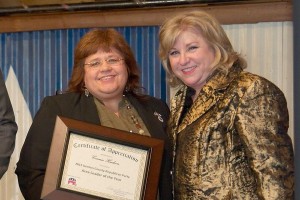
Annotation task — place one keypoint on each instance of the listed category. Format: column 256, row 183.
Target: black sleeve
column 32, row 164
column 8, row 128
column 165, row 183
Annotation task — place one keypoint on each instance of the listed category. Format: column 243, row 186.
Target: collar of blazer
column 210, row 94
column 149, row 117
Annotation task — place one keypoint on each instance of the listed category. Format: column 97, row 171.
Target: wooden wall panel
column 227, row 14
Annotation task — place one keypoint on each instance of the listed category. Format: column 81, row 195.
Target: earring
column 126, row 88
column 86, row 92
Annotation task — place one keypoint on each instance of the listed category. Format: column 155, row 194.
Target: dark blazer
column 34, row 154
column 8, row 128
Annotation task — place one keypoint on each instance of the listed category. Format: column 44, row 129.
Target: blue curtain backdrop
column 43, row 60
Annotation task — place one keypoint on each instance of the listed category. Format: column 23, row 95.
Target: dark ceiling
column 29, row 6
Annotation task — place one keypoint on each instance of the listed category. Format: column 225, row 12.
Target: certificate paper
column 104, row 169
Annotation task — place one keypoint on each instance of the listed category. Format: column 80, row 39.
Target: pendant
column 135, row 121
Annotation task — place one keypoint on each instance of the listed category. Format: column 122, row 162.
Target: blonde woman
column 228, row 127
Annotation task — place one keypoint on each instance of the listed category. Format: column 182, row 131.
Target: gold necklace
column 134, row 119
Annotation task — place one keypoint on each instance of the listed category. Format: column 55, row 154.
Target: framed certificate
column 88, row 161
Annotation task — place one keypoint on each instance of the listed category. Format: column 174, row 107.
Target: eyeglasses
column 109, row 61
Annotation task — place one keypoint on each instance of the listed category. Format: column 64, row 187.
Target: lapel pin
column 158, row 116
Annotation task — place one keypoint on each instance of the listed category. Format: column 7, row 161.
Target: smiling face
column 191, row 58
column 105, row 81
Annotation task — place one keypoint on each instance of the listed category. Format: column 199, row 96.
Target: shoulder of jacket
column 66, row 97
column 250, row 78
column 152, row 103
column 254, row 83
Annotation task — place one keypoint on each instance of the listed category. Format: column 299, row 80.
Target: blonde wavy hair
column 210, row 29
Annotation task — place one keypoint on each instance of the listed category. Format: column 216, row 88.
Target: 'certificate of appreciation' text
column 103, row 168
